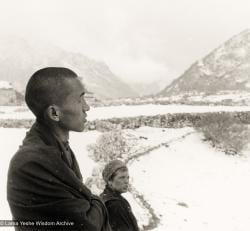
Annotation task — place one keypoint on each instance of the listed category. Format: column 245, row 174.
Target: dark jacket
column 43, row 186
column 121, row 217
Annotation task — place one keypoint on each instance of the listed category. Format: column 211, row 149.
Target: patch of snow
column 140, row 213
column 149, row 136
column 11, row 139
column 78, row 143
column 205, row 70
column 247, row 85
column 150, row 110
column 200, row 63
column 219, row 52
column 127, row 111
column 239, row 80
column 5, row 85
column 240, row 52
column 233, row 97
column 211, row 185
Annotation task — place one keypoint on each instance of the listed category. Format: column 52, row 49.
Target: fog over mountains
column 224, row 70
column 19, row 59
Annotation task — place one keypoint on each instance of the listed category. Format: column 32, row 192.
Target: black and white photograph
column 125, row 115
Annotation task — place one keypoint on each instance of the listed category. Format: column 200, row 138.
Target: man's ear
column 53, row 113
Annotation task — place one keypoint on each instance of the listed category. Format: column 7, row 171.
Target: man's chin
column 79, row 129
column 125, row 190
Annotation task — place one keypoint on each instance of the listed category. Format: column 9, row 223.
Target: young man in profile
column 44, row 179
column 121, row 217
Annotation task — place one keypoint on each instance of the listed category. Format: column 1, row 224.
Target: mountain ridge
column 226, row 68
column 21, row 58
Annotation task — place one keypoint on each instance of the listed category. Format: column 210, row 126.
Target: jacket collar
column 41, row 134
column 110, row 194
column 42, row 131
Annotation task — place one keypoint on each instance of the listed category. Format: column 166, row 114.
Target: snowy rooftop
column 5, row 85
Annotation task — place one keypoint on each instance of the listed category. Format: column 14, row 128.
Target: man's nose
column 126, row 180
column 86, row 107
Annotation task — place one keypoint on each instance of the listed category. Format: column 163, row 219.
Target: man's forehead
column 76, row 85
column 81, row 85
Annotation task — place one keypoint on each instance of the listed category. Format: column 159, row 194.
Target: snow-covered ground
column 191, row 97
column 234, row 97
column 21, row 112
column 5, row 85
column 211, row 188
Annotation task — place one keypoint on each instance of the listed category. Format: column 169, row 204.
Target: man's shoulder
column 32, row 152
column 114, row 201
column 116, row 206
column 111, row 199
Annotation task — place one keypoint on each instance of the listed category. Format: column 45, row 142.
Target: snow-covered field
column 189, row 185
column 212, row 187
column 21, row 112
column 219, row 97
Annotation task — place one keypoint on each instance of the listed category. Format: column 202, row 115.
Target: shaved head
column 46, row 87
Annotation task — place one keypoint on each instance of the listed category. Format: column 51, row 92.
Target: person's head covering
column 111, row 168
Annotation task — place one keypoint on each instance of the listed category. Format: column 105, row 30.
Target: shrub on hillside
column 104, row 126
column 225, row 132
column 111, row 145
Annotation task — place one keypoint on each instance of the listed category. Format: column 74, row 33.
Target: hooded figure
column 121, row 217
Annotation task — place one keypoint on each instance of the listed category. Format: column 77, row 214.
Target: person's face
column 120, row 182
column 73, row 109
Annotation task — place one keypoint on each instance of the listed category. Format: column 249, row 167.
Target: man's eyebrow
column 83, row 93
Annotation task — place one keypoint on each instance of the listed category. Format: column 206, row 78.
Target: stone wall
column 177, row 120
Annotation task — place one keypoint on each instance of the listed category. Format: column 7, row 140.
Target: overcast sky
column 138, row 39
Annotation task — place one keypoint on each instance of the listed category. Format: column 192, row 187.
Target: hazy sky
column 138, row 39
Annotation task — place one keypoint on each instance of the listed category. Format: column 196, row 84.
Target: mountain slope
column 20, row 59
column 226, row 69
